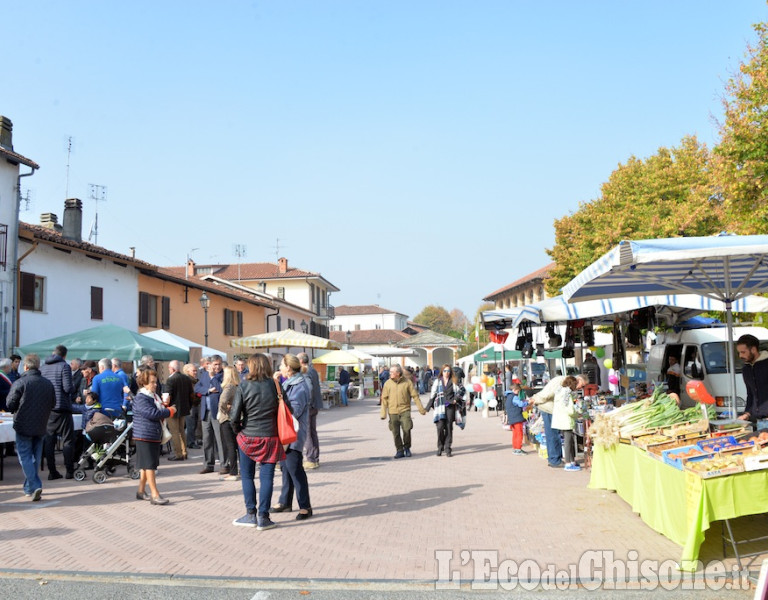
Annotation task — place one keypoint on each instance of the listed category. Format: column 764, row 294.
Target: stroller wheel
column 99, row 477
column 134, row 473
column 79, row 475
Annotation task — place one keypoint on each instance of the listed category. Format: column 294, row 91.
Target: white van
column 702, row 355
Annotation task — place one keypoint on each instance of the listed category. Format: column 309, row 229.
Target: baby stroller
column 110, row 448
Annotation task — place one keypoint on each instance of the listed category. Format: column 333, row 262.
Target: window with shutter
column 165, row 319
column 27, row 291
column 239, row 323
column 97, row 303
column 147, row 310
column 229, row 327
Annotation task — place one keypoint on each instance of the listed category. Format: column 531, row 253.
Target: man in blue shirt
column 110, row 388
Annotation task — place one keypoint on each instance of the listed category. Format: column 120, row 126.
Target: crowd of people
column 233, row 408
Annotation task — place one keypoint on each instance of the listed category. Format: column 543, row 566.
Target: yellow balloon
column 491, row 381
column 356, row 369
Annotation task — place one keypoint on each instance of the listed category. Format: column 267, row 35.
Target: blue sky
column 413, row 152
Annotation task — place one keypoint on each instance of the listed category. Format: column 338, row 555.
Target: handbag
column 285, row 430
column 166, row 433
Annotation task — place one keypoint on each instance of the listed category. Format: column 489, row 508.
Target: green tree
column 669, row 194
column 436, row 318
column 741, row 157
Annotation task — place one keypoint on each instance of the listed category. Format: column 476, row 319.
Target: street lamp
column 205, row 302
column 304, row 326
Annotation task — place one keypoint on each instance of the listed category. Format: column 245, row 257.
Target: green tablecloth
column 678, row 504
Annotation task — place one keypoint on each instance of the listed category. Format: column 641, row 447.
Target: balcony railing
column 324, row 312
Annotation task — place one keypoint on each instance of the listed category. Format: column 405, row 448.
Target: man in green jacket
column 396, row 400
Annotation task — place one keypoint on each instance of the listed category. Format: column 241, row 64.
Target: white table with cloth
column 8, row 434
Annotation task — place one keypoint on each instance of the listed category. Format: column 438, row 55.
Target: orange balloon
column 698, row 391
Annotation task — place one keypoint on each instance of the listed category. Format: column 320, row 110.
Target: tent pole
column 731, row 357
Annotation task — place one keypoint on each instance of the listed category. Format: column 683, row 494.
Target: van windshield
column 715, row 357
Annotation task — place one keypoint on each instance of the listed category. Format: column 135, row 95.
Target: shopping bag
column 460, row 420
column 166, row 433
column 285, row 429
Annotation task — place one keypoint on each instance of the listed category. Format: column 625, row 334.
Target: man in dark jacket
column 58, row 372
column 180, row 393
column 209, row 387
column 31, row 399
column 755, row 374
column 312, row 444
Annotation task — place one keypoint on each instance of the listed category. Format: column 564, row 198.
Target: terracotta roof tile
column 369, row 336
column 542, row 273
column 15, row 157
column 246, row 272
column 365, row 309
column 51, row 235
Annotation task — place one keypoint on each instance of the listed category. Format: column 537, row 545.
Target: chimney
column 190, row 268
column 73, row 220
column 6, row 133
column 50, row 221
column 282, row 265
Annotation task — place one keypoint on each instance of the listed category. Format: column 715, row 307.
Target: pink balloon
column 613, row 380
column 477, row 387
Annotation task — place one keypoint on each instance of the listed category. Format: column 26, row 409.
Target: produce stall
column 676, row 474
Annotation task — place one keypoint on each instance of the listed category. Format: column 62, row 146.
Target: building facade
column 526, row 290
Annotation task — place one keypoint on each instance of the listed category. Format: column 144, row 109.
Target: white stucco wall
column 8, row 202
column 379, row 321
column 68, row 281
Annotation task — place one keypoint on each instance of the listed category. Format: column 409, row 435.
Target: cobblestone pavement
column 375, row 518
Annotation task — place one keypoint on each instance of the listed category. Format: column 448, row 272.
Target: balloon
column 477, row 387
column 488, row 395
column 698, row 391
column 593, row 349
column 608, row 363
column 491, row 381
column 613, row 380
column 483, row 378
column 356, row 369
column 475, row 379
column 479, row 403
column 600, row 352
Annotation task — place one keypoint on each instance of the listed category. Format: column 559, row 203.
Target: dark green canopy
column 107, row 341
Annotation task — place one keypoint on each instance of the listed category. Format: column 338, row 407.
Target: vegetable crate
column 709, row 467
column 756, row 462
column 677, row 456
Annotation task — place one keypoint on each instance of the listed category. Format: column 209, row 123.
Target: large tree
column 459, row 320
column 741, row 158
column 436, row 318
column 669, row 194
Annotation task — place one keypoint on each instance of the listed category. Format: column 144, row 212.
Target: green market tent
column 490, row 355
column 107, row 341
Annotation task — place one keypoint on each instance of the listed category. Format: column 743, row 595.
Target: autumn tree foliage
column 741, row 157
column 436, row 318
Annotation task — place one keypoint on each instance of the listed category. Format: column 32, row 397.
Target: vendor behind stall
column 755, row 374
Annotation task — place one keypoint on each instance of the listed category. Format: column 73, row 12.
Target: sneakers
column 263, row 523
column 247, row 520
column 407, row 452
column 572, row 467
column 400, row 454
column 37, row 494
column 308, row 464
column 518, row 452
column 231, row 478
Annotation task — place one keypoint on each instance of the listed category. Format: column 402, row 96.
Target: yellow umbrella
column 342, row 357
column 287, row 338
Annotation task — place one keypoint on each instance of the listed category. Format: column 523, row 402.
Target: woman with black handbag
column 446, row 399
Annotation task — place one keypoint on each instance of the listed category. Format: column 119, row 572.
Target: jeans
column 266, row 476
column 554, row 446
column 30, row 451
column 312, row 445
column 294, row 476
column 344, row 398
column 229, row 441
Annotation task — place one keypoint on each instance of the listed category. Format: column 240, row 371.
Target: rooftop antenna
column 98, row 193
column 241, row 251
column 186, row 265
column 27, row 199
column 69, row 154
column 277, row 254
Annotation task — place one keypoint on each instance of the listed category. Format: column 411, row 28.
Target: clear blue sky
column 413, row 152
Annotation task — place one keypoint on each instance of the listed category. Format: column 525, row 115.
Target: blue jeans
column 294, row 477
column 30, row 451
column 344, row 399
column 554, row 445
column 266, row 475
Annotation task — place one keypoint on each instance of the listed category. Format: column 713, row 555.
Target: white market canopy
column 287, row 338
column 180, row 342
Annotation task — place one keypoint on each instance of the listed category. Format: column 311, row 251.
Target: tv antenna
column 98, row 193
column 69, row 155
column 27, row 199
column 241, row 251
